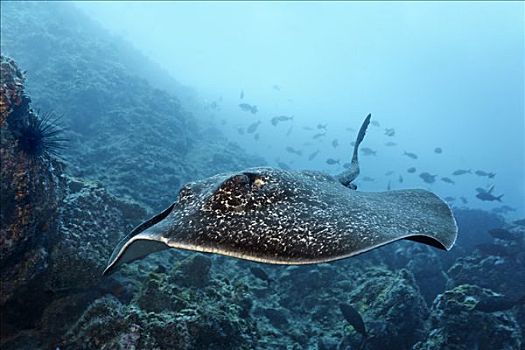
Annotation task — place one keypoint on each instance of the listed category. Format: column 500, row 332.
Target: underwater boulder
column 456, row 324
column 31, row 187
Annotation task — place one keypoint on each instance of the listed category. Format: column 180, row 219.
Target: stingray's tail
column 346, row 177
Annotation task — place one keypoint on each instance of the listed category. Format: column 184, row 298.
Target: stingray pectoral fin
column 136, row 248
column 141, row 241
column 422, row 217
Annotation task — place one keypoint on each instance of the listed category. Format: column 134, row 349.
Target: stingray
column 280, row 216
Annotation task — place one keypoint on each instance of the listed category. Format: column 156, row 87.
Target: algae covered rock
column 456, row 325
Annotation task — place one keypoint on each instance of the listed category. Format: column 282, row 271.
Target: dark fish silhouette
column 375, row 123
column 400, row 179
column 484, row 173
column 260, row 274
column 242, row 94
column 368, row 151
column 251, row 129
column 498, row 303
column 331, row 161
column 390, row 172
column 463, row 200
column 347, row 165
column 368, row 179
column 256, row 137
column 335, row 143
column 390, row 143
column 292, row 150
column 322, row 126
column 411, row 170
column 280, row 118
column 450, row 199
column 501, row 233
column 390, row 132
column 438, row 150
column 410, row 155
column 289, row 130
column 313, row 155
column 487, row 195
column 276, row 87
column 428, row 178
column 447, row 180
column 461, row 172
column 353, row 318
column 318, row 135
column 240, row 131
column 309, row 128
column 248, row 108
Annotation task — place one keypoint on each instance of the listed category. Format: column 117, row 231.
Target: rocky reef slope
column 130, row 147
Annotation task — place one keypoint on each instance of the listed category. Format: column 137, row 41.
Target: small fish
column 484, row 173
column 313, row 155
column 248, row 108
column 390, row 172
column 276, row 87
column 289, row 130
column 353, row 318
column 331, row 161
column 280, row 118
column 501, row 233
column 498, row 303
column 251, row 129
column 400, row 179
column 242, row 94
column 411, row 170
column 294, row 151
column 461, row 172
column 389, row 186
column 450, row 199
column 410, row 155
column 428, row 178
column 390, row 132
column 335, row 143
column 368, row 151
column 350, row 129
column 260, row 274
column 463, row 200
column 368, row 179
column 390, row 144
column 240, row 131
column 322, row 126
column 321, row 134
column 447, row 180
column 347, row 165
column 309, row 128
column 438, row 150
column 375, row 123
column 487, row 195
column 256, row 137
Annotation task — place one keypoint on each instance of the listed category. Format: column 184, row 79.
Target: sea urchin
column 39, row 135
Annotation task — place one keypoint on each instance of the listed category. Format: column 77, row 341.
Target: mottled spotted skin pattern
column 288, row 217
column 279, row 216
